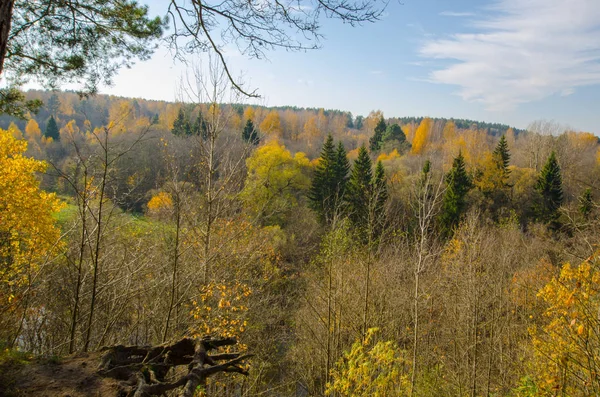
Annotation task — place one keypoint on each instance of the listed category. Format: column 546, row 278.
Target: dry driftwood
column 144, row 369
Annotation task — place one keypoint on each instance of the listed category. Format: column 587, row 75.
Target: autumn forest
column 351, row 256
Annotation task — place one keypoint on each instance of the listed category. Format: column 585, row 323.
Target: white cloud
column 526, row 51
column 456, row 14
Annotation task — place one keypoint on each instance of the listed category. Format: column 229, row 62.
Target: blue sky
column 509, row 61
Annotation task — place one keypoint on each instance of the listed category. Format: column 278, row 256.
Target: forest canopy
column 418, row 255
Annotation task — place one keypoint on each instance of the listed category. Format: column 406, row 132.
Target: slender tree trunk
column 413, row 376
column 175, row 265
column 96, row 258
column 474, row 362
column 366, row 302
column 210, row 196
column 329, row 308
column 79, row 267
column 6, row 11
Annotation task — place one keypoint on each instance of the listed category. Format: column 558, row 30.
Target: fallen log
column 144, row 369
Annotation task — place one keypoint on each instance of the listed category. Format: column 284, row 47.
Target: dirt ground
column 73, row 376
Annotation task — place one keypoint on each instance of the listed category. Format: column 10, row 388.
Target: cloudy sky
column 510, row 61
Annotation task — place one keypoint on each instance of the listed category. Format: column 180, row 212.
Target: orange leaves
column 221, row 309
column 421, row 138
column 161, row 201
column 390, row 156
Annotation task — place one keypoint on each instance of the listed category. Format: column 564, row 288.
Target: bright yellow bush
column 28, row 234
column 567, row 345
column 371, row 370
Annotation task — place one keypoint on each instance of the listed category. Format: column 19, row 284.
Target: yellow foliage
column 271, row 125
column 32, row 130
column 28, row 234
column 160, row 202
column 372, row 120
column 449, row 131
column 221, row 310
column 15, row 131
column 567, row 344
column 69, row 131
column 249, row 113
column 275, row 180
column 371, row 370
column 421, row 138
column 390, row 156
column 353, row 154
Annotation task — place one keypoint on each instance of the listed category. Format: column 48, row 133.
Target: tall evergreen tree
column 321, row 194
column 52, row 129
column 376, row 140
column 53, row 104
column 359, row 122
column 380, row 196
column 394, row 133
column 458, row 185
column 341, row 169
column 360, row 188
column 200, row 127
column 549, row 189
column 179, row 125
column 502, row 156
column 250, row 134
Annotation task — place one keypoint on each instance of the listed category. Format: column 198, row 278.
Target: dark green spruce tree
column 52, row 129
column 322, row 198
column 341, row 169
column 394, row 133
column 550, row 192
column 454, row 204
column 376, row 140
column 249, row 133
column 200, row 127
column 360, row 192
column 379, row 198
column 501, row 157
column 497, row 191
column 586, row 203
column 181, row 124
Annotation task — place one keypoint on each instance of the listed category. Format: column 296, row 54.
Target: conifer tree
column 249, row 133
column 377, row 139
column 549, row 189
column 52, row 129
column 394, row 133
column 341, row 169
column 586, row 204
column 200, row 127
column 321, row 195
column 502, row 157
column 360, row 188
column 458, row 185
column 179, row 125
column 380, row 196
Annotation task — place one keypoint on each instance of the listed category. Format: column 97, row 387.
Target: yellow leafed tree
column 449, row 131
column 371, row 369
column 567, row 344
column 422, row 136
column 249, row 113
column 32, row 130
column 28, row 233
column 271, row 125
